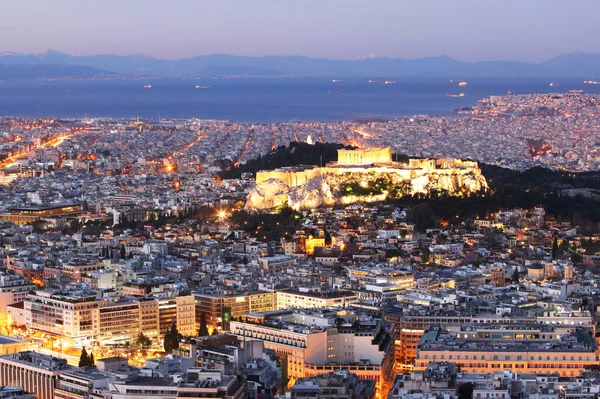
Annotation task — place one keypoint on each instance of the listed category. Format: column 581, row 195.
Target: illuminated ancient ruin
column 362, row 175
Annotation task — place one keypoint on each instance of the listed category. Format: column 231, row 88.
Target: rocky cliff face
column 351, row 185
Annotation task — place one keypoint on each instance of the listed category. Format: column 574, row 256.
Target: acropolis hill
column 362, row 175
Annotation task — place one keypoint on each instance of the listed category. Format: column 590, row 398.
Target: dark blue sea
column 261, row 99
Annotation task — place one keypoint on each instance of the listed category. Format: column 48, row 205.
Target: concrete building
column 566, row 350
column 186, row 316
column 13, row 288
column 313, row 298
column 362, row 348
column 15, row 392
column 81, row 384
column 73, row 316
column 338, row 385
column 119, row 320
column 33, row 371
column 218, row 309
column 10, row 345
column 201, row 383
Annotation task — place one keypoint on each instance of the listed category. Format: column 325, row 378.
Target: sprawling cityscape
column 343, row 245
column 135, row 265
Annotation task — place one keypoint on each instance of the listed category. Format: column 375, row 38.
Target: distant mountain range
column 51, row 63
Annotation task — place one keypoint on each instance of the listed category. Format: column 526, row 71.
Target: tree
column 172, row 338
column 425, row 255
column 203, row 327
column 123, row 253
column 327, row 238
column 84, row 360
column 555, row 247
column 143, row 341
column 465, row 391
column 515, row 275
column 576, row 258
column 92, row 362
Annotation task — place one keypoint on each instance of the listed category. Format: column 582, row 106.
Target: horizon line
column 359, row 58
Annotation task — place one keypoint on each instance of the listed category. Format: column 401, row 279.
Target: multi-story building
column 81, row 384
column 362, row 347
column 149, row 317
column 80, row 318
column 565, row 350
column 277, row 263
column 339, row 385
column 218, row 309
column 33, row 371
column 314, row 298
column 186, row 316
column 142, row 387
column 201, row 383
column 402, row 280
column 10, row 345
column 104, row 279
column 119, row 320
column 167, row 314
column 73, row 316
column 13, row 288
column 410, row 327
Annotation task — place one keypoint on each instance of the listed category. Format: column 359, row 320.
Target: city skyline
column 465, row 30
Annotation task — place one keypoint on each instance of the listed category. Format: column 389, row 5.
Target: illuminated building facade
column 363, row 349
column 566, row 350
column 186, row 316
column 10, row 345
column 364, row 156
column 306, row 298
column 80, row 318
column 33, row 371
column 13, row 288
column 218, row 309
column 119, row 321
column 73, row 316
column 202, row 384
column 29, row 214
column 409, row 328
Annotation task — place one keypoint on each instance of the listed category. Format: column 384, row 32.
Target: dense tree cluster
column 172, row 338
column 295, row 153
column 86, row 360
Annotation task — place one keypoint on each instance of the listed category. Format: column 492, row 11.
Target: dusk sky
column 470, row 30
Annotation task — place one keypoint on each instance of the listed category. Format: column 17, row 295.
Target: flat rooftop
column 578, row 341
column 5, row 340
column 47, row 207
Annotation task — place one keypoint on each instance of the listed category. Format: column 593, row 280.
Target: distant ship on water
column 337, row 81
column 373, row 81
column 390, row 82
column 456, row 95
column 202, row 87
column 463, row 84
column 554, row 84
column 147, row 86
column 591, row 82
